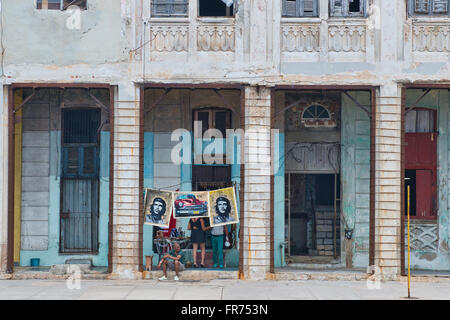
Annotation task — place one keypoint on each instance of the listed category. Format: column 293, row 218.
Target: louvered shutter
column 290, row 8
column 421, row 6
column 336, row 8
column 440, row 6
column 165, row 8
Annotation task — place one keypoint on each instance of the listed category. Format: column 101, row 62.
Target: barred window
column 170, row 8
column 60, row 4
column 429, row 7
column 300, row 8
column 348, row 8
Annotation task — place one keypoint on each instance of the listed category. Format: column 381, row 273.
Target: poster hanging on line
column 189, row 204
column 223, row 207
column 158, row 207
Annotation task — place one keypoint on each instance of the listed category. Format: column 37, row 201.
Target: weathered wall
column 34, row 36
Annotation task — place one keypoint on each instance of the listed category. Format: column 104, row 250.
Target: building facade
column 338, row 108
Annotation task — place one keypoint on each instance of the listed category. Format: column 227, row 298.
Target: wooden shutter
column 440, row 6
column 164, row 8
column 424, row 193
column 336, row 8
column 300, row 8
column 290, row 8
column 421, row 6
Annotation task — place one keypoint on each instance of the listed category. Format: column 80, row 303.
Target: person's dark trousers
column 217, row 247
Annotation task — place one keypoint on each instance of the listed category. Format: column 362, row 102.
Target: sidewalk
column 217, row 290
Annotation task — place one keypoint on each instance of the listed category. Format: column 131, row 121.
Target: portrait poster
column 189, row 204
column 158, row 207
column 223, row 207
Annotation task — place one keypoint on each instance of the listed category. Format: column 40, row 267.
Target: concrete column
column 388, row 181
column 3, row 178
column 125, row 260
column 256, row 235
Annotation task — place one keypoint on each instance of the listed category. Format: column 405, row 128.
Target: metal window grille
column 348, row 8
column 429, row 7
column 300, row 8
column 170, row 8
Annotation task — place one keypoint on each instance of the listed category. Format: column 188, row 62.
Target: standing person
column 175, row 260
column 217, row 244
column 198, row 236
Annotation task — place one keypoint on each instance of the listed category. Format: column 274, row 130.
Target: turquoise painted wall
column 355, row 176
column 51, row 255
column 279, row 206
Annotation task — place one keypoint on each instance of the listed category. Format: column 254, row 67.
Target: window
column 347, row 8
column 429, row 7
column 216, row 8
column 219, row 119
column 300, row 8
column 60, row 4
column 170, row 8
column 80, row 143
column 316, row 112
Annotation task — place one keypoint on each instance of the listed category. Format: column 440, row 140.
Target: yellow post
column 17, row 175
column 409, row 251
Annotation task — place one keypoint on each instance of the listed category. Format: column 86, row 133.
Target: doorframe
column 192, row 86
column 372, row 118
column 11, row 158
column 404, row 88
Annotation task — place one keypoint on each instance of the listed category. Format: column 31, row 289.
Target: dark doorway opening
column 313, row 214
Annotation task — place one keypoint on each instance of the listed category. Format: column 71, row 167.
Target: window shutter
column 336, row 7
column 169, row 8
column 308, row 7
column 421, row 6
column 290, row 8
column 440, row 6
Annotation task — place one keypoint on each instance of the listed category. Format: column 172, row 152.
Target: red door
column 421, row 156
column 424, row 193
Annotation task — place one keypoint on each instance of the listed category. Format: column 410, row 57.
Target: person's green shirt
column 180, row 253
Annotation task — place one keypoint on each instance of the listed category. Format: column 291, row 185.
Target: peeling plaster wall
column 41, row 36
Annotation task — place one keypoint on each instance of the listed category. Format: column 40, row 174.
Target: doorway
column 80, row 181
column 312, row 215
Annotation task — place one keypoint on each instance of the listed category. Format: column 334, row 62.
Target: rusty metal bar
column 111, row 178
column 272, row 182
column 25, row 101
column 372, row 178
column 59, row 85
column 424, row 85
column 217, row 92
column 192, row 85
column 324, row 87
column 98, row 101
column 11, row 173
column 417, row 101
column 166, row 92
column 242, row 189
column 357, row 103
